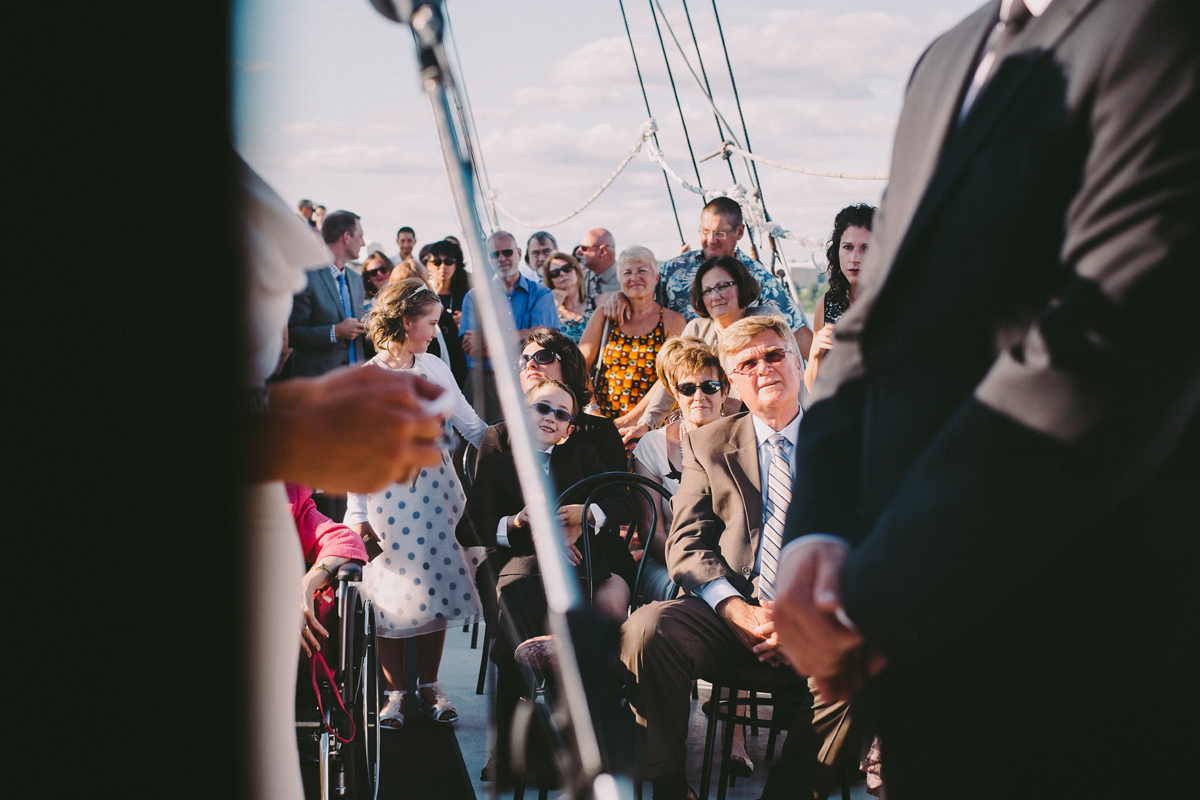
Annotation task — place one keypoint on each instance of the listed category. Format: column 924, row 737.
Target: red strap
column 328, row 675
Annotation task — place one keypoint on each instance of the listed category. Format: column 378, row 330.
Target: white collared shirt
column 984, row 69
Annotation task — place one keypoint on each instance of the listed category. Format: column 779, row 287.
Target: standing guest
column 721, row 229
column 846, row 251
column 446, row 346
column 377, row 273
column 627, row 356
column 537, row 250
column 406, row 240
column 1008, row 529
column 446, row 275
column 415, row 521
column 324, row 328
column 305, row 207
column 563, row 275
column 318, row 217
column 723, row 293
column 723, row 549
column 597, row 253
column 531, row 304
column 578, row 253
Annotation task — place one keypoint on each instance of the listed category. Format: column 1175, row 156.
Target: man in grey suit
column 723, row 549
column 324, row 329
column 1010, row 510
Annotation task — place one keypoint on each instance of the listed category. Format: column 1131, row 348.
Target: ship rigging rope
column 747, row 199
column 730, row 147
column 707, row 86
column 671, row 76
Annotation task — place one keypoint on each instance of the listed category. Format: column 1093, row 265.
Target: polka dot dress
column 424, row 580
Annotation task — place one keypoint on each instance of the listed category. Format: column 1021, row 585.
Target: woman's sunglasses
column 371, row 273
column 688, row 389
column 554, row 273
column 437, row 262
column 546, row 408
column 543, row 357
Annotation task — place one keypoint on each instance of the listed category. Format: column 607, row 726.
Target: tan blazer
column 718, row 508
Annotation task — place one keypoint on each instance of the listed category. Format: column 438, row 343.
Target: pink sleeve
column 319, row 535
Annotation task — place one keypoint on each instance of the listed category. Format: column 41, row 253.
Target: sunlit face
column 318, row 216
column 566, row 279
column 765, row 388
column 406, row 242
column 538, row 253
column 700, row 408
column 720, row 293
column 354, row 241
column 717, row 237
column 852, row 251
column 377, row 273
column 548, row 429
column 505, row 256
column 422, row 330
column 637, row 279
column 533, row 372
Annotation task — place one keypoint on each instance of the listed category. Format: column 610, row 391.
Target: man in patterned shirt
column 721, row 229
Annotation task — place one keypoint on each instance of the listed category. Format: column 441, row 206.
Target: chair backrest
column 470, row 461
column 652, row 581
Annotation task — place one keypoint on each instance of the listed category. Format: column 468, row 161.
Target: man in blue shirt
column 531, row 305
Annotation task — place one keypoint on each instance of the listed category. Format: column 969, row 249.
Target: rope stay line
column 467, row 120
column 737, row 99
column 646, row 99
column 728, row 147
column 671, row 76
column 707, row 85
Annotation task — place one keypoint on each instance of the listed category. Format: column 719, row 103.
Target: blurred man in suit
column 324, row 329
column 1000, row 524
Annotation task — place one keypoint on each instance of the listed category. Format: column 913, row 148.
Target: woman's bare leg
column 391, row 658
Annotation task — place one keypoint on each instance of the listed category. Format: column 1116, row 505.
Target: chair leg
column 710, row 741
column 483, row 664
column 725, row 777
column 637, row 789
column 466, row 627
column 771, row 745
column 474, row 634
column 543, row 793
column 695, row 690
column 845, row 779
column 754, row 712
column 519, row 789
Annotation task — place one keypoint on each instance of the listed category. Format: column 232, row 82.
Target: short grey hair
column 636, row 254
column 737, row 337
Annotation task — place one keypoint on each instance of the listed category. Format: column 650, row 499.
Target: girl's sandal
column 392, row 715
column 441, row 710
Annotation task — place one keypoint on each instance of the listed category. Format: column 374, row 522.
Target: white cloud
column 358, row 158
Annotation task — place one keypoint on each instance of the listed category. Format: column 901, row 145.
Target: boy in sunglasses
column 496, row 517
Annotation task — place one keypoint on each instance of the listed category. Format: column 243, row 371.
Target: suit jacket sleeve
column 1053, row 440
column 692, row 557
column 302, row 332
column 496, row 494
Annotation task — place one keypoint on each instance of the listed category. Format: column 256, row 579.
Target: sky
column 328, row 106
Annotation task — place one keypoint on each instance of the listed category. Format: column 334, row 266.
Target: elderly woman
column 415, row 521
column 625, row 350
column 562, row 273
column 847, row 248
column 723, row 293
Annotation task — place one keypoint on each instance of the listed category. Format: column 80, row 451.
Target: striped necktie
column 779, row 497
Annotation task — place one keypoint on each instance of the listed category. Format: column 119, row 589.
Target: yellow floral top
column 627, row 369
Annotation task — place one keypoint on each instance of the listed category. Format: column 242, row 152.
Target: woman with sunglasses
column 562, row 273
column 692, row 369
column 447, row 276
column 419, row 584
column 377, row 269
column 547, row 353
column 724, row 292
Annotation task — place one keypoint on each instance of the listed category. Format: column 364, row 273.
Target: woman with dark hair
column 847, row 248
column 562, row 273
column 723, row 293
column 415, row 521
column 377, row 270
column 447, row 276
column 547, row 353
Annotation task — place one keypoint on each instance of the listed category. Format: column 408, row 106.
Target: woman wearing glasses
column 723, row 293
column 377, row 269
column 626, row 356
column 562, row 273
column 447, row 276
column 421, row 581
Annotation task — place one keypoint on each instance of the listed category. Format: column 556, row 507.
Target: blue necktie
column 341, row 280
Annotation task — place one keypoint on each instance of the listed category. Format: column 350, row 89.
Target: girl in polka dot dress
column 424, row 580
